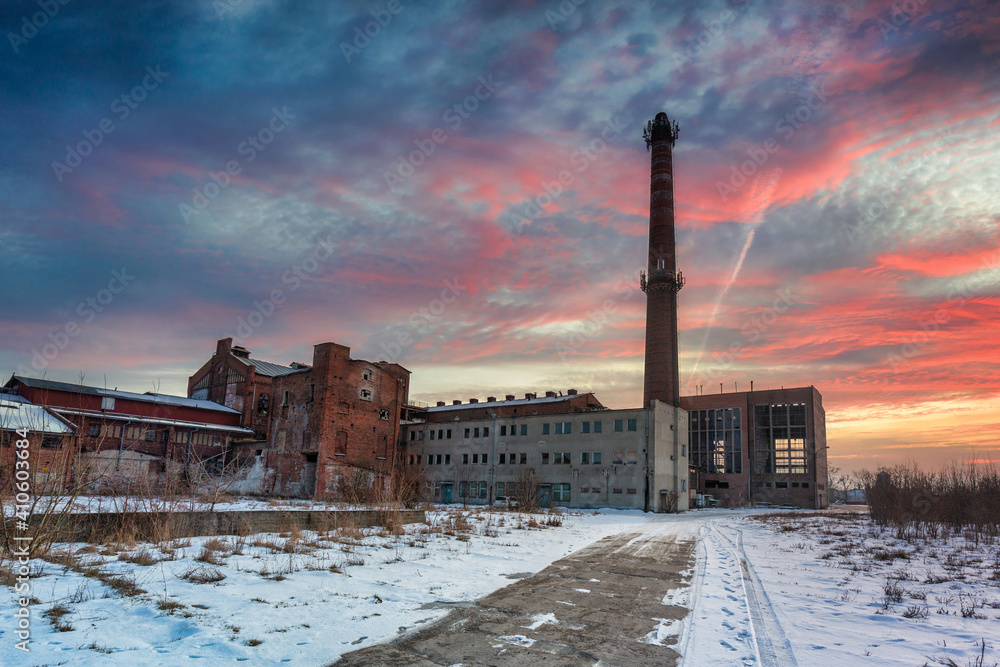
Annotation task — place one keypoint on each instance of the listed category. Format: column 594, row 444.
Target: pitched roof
column 269, row 369
column 148, row 397
column 16, row 415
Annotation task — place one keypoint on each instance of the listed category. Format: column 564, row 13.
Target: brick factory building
column 760, row 446
column 333, row 419
column 119, row 438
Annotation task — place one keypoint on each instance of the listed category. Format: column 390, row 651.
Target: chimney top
column 491, row 399
column 509, row 397
column 473, row 400
column 529, row 396
column 571, row 392
column 456, row 402
column 550, row 394
column 440, row 404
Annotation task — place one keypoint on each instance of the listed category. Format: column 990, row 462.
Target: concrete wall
column 633, row 480
column 156, row 526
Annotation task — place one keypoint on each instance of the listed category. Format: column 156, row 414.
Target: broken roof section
column 18, row 415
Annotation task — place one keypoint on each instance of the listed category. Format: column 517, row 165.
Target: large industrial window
column 780, row 438
column 716, row 440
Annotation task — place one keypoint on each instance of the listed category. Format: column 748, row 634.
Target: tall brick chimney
column 662, row 280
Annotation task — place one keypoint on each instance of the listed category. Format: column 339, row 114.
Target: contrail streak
column 760, row 199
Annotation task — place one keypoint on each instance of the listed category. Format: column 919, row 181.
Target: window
column 780, row 438
column 432, row 434
column 383, row 415
column 430, row 459
column 475, row 458
column 439, row 459
column 482, row 490
column 633, row 457
column 463, row 489
column 584, row 489
column 684, row 450
column 465, row 459
column 420, row 435
column 107, row 403
column 51, row 441
column 367, row 375
column 94, row 430
column 467, row 431
column 616, row 490
column 503, row 430
column 618, row 457
column 484, row 458
column 597, row 427
column 486, row 431
column 366, row 394
column 448, row 432
column 545, row 458
column 437, row 489
column 630, row 492
column 561, row 458
column 545, row 429
column 560, row 493
column 584, row 460
column 524, row 429
column 285, row 402
column 716, row 440
column 500, row 490
column 503, row 459
column 524, row 458
column 151, row 435
column 475, row 433
column 447, row 459
column 584, row 428
column 263, row 403
column 684, row 485
column 805, row 485
column 312, row 392
column 413, row 436
column 632, row 426
column 562, row 428
column 596, row 458
column 781, row 485
column 795, row 485
column 619, row 424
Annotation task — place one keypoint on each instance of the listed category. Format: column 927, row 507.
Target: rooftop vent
column 550, row 394
column 240, row 352
column 440, row 404
column 298, row 365
column 473, row 400
column 571, row 392
column 456, row 402
column 509, row 397
column 491, row 399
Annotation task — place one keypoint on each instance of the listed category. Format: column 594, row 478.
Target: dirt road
column 603, row 604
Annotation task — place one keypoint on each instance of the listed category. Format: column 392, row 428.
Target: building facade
column 119, row 438
column 582, row 454
column 760, row 446
column 335, row 418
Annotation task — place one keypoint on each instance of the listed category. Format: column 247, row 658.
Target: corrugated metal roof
column 148, row 397
column 138, row 419
column 15, row 416
column 517, row 401
column 269, row 369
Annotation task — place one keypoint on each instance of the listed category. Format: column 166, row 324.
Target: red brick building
column 231, row 378
column 333, row 419
column 760, row 446
column 121, row 437
column 47, row 463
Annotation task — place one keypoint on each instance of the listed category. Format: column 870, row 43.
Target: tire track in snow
column 770, row 643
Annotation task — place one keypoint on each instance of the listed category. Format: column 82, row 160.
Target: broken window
column 716, row 440
column 545, row 457
column 618, row 458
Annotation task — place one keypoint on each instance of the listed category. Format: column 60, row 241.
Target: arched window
column 263, row 403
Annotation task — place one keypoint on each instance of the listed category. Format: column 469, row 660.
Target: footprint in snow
column 726, row 609
column 727, row 645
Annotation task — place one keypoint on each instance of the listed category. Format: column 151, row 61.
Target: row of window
column 113, row 431
column 784, row 485
column 557, row 428
column 511, row 458
column 561, row 493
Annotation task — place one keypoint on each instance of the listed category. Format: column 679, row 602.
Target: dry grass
column 203, row 575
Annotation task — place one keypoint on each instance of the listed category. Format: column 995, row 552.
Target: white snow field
column 765, row 589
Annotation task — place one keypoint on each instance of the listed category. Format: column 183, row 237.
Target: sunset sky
column 168, row 170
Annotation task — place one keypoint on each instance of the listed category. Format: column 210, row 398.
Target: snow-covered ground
column 274, row 606
column 203, row 503
column 765, row 589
